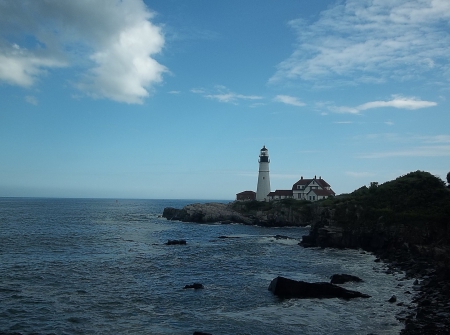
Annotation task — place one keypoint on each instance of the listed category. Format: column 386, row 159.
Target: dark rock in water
column 288, row 288
column 343, row 278
column 392, row 299
column 282, row 237
column 175, row 242
column 195, row 286
column 201, row 333
column 308, row 241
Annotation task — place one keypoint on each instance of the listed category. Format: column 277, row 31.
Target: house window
column 314, row 197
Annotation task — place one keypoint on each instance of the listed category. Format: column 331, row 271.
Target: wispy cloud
column 422, row 151
column 223, row 94
column 371, row 41
column 231, row 97
column 114, row 45
column 397, row 101
column 198, row 90
column 436, row 139
column 288, row 100
column 31, row 100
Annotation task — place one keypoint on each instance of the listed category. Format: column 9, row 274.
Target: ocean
column 101, row 266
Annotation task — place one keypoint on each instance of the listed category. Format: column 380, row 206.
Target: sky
column 174, row 99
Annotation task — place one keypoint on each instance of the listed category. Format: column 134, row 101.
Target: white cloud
column 372, row 41
column 231, row 97
column 31, row 100
column 21, row 68
column 397, row 102
column 223, row 94
column 112, row 42
column 288, row 100
column 198, row 90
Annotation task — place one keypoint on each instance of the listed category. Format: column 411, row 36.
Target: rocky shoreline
column 278, row 214
column 427, row 263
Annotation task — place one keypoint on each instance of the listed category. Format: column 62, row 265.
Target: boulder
column 289, row 288
column 195, row 286
column 175, row 242
column 343, row 278
column 392, row 299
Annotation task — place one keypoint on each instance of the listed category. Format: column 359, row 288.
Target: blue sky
column 174, row 99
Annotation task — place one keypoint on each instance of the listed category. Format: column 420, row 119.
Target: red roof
column 246, row 193
column 322, row 193
column 305, row 182
column 285, row 193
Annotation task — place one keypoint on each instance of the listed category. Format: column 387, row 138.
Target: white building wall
column 263, row 188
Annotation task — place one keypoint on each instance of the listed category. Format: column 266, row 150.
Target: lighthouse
column 263, row 188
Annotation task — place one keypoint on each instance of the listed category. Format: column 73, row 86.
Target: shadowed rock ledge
column 205, row 213
column 273, row 214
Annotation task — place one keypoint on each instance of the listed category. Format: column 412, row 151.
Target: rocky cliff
column 411, row 213
column 405, row 222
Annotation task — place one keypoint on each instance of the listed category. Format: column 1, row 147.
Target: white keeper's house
column 305, row 189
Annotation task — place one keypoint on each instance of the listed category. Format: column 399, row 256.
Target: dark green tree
column 448, row 179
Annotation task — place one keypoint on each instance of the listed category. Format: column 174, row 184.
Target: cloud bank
column 372, row 41
column 113, row 43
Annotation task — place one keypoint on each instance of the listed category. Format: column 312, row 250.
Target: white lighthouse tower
column 263, row 188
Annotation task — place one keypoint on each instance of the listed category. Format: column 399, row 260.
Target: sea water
column 101, row 266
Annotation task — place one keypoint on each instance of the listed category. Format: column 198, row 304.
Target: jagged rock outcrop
column 205, row 213
column 274, row 214
column 288, row 288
